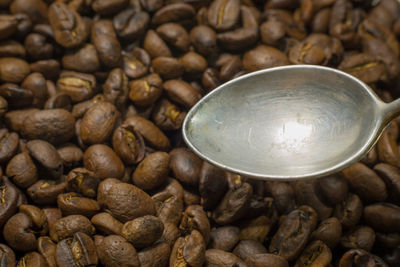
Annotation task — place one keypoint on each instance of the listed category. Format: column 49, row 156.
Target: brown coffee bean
column 365, row 183
column 246, row 248
column 204, row 40
column 46, row 191
column 71, row 155
column 212, row 185
column 150, row 133
column 167, row 116
column 283, row 195
column 84, row 59
column 155, row 46
column 263, row 57
column 12, row 49
column 189, row 250
column 47, row 249
column 3, row 106
column 170, row 234
column 106, row 223
column 181, row 92
column 224, row 238
column 70, row 29
column 320, row 21
column 37, row 47
column 105, row 7
column 13, row 70
column 79, row 86
column 72, row 203
column 151, row 5
column 130, row 24
column 193, row 64
column 156, row 255
column 216, row 257
column 176, row 12
column 307, row 194
column 82, row 181
column 266, row 260
column 52, row 215
column 185, row 166
column 7, row 256
column 382, row 217
column 334, row 188
column 32, row 259
column 22, row 170
column 115, row 88
column 14, row 119
column 9, row 196
column 175, row 35
column 329, row 231
column 391, row 175
column 36, row 83
column 128, row 144
column 362, row 237
column 126, row 202
column 55, row 125
column 359, row 257
column 105, row 40
column 8, row 25
column 70, row 225
column 167, row 67
column 349, row 211
column 47, row 156
column 78, row 250
column 293, row 233
column 49, row 68
column 136, row 63
column 152, row 171
column 145, row 91
column 115, row 251
column 223, row 15
column 387, row 149
column 16, row 96
column 8, row 145
column 98, row 123
column 256, row 229
column 315, row 254
column 59, row 100
column 169, row 203
column 234, row 204
column 103, row 161
column 17, row 232
column 195, row 218
column 35, row 9
column 143, row 231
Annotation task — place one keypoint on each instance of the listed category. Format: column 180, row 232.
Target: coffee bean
column 224, row 238
column 136, row 63
column 72, row 203
column 46, row 191
column 216, row 257
column 105, row 40
column 130, row 24
column 223, row 15
column 176, row 12
column 329, row 231
column 143, row 231
column 155, row 46
column 152, row 171
column 32, row 259
column 349, row 211
column 106, row 223
column 108, row 7
column 382, row 217
column 175, row 35
column 263, row 57
column 47, row 249
column 167, row 67
column 246, row 248
column 115, row 251
column 190, row 250
column 70, row 225
column 103, row 161
column 13, row 70
column 156, row 255
column 7, row 256
column 84, row 59
column 316, row 253
column 256, row 229
column 362, row 237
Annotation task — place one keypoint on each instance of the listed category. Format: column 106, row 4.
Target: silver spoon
column 288, row 122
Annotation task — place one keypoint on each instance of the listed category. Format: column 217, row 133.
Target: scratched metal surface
column 286, row 122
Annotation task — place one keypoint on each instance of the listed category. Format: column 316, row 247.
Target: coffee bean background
column 93, row 168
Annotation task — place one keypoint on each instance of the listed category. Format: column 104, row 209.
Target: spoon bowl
column 289, row 122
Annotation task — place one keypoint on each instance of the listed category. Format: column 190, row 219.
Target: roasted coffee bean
column 115, row 251
column 59, row 100
column 126, row 202
column 36, row 83
column 193, row 64
column 151, row 133
column 8, row 26
column 36, row 10
column 8, row 145
column 152, row 171
column 54, row 125
column 359, row 257
column 365, row 183
column 145, row 91
column 46, row 191
column 216, row 257
column 263, row 57
column 181, row 92
column 248, row 247
column 12, row 49
column 349, row 211
column 79, row 86
column 47, row 156
column 69, row 225
column 391, row 175
column 329, row 231
column 334, row 188
column 224, row 238
column 175, row 35
column 223, row 15
column 72, row 203
column 143, row 231
column 155, row 46
column 315, row 254
column 103, row 161
column 256, row 229
column 212, row 185
column 98, row 123
column 105, row 40
column 13, row 70
column 293, row 233
column 189, row 250
column 78, row 250
column 84, row 59
column 266, row 260
column 82, row 181
column 32, row 259
column 195, row 218
column 136, row 63
column 105, row 7
column 70, row 29
column 204, row 39
column 49, row 68
column 362, row 237
column 176, row 12
column 382, row 217
column 71, row 155
column 128, row 144
column 156, row 255
column 234, row 204
column 167, row 67
column 170, row 234
column 130, row 24
column 37, row 47
column 16, row 96
column 9, row 196
column 185, row 166
column 106, row 223
column 167, row 116
column 7, row 256
column 47, row 249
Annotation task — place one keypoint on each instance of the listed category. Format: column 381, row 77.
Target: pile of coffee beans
column 94, row 171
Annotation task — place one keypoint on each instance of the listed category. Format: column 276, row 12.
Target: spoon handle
column 391, row 110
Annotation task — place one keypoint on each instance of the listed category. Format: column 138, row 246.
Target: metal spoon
column 288, row 122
